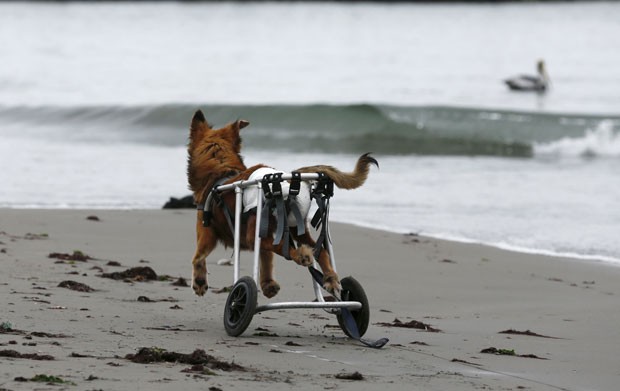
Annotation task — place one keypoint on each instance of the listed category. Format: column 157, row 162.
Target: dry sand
column 470, row 292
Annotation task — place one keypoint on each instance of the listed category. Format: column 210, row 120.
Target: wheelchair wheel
column 240, row 306
column 353, row 291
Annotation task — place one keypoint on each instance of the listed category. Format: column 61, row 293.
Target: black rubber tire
column 240, row 306
column 353, row 291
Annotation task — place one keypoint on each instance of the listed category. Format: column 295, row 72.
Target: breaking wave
column 355, row 128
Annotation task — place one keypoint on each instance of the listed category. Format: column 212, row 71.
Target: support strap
column 274, row 202
column 215, row 197
column 292, row 205
column 322, row 192
column 347, row 317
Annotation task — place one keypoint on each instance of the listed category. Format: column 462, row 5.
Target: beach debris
column 93, row 218
column 275, row 351
column 186, row 202
column 350, row 376
column 176, row 307
column 77, row 255
column 113, row 263
column 28, row 236
column 31, row 236
column 418, row 343
column 411, row 237
column 200, row 369
column 80, row 355
column 41, row 334
column 225, row 289
column 30, row 356
column 526, row 332
column 509, row 352
column 7, row 328
column 140, row 273
column 464, row 362
column 414, row 324
column 75, row 286
column 171, row 328
column 180, row 282
column 48, row 379
column 265, row 334
column 291, row 343
column 317, row 316
column 197, row 357
column 36, row 299
column 503, row 352
column 225, row 262
column 447, row 261
column 145, row 299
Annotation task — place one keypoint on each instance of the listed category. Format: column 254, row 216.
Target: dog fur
column 214, row 154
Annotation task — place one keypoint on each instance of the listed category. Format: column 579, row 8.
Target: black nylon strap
column 227, row 212
column 347, row 317
column 264, row 218
column 295, row 184
column 281, row 225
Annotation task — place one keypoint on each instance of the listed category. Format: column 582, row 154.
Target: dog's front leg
column 268, row 284
column 206, row 242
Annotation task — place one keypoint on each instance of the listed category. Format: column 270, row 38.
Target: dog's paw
column 199, row 285
column 270, row 288
column 304, row 256
column 332, row 285
column 199, row 278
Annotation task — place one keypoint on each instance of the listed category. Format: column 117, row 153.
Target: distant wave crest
column 354, row 128
column 600, row 141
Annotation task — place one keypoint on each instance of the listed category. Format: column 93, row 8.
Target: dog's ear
column 241, row 123
column 198, row 126
column 198, row 121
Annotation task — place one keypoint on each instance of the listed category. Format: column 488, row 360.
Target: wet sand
column 563, row 313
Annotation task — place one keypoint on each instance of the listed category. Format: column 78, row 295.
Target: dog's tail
column 346, row 180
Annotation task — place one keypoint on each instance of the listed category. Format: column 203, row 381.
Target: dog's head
column 212, row 153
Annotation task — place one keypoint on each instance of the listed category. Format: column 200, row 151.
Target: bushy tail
column 346, row 180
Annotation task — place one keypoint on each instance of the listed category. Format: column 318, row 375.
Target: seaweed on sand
column 30, row 356
column 526, row 332
column 414, row 324
column 76, row 256
column 75, row 286
column 197, row 357
column 140, row 273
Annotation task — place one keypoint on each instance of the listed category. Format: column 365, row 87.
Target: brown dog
column 213, row 155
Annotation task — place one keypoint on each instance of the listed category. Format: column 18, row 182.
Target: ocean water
column 95, row 102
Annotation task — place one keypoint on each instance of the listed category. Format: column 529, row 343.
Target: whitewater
column 95, row 101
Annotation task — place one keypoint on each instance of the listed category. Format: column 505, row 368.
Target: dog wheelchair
column 351, row 308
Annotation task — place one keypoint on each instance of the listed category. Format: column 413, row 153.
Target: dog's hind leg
column 331, row 282
column 206, row 241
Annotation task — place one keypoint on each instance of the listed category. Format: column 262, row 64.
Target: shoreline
column 471, row 293
column 608, row 260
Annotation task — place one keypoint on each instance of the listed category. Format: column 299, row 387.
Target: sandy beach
column 562, row 314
